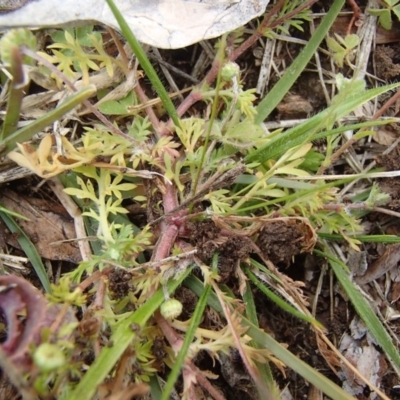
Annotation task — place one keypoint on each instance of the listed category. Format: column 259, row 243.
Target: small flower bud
column 48, row 357
column 171, row 309
column 13, row 39
column 229, row 71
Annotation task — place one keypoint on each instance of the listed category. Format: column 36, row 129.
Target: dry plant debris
column 193, row 250
column 158, row 23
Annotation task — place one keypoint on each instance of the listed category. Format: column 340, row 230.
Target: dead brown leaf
column 49, row 227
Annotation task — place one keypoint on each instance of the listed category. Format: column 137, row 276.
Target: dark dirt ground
column 278, row 241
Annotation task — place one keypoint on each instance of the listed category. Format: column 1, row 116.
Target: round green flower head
column 229, row 71
column 171, row 309
column 48, row 357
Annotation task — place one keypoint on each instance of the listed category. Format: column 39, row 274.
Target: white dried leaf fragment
column 359, row 349
column 161, row 23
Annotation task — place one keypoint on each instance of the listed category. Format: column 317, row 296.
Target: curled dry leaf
column 20, row 297
column 161, row 23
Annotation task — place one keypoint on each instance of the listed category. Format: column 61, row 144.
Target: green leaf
column 29, row 249
column 391, row 3
column 396, row 11
column 352, row 41
column 385, row 20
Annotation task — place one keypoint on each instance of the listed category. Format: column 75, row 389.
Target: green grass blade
column 273, row 98
column 298, row 135
column 29, row 249
column 264, row 369
column 361, row 238
column 145, row 63
column 25, row 133
column 121, row 339
column 155, row 388
column 189, row 335
column 308, row 130
column 363, row 308
column 13, row 214
column 321, row 382
column 266, row 341
column 280, row 302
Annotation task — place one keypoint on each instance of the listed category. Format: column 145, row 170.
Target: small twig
column 178, row 257
column 93, row 278
column 119, row 45
column 205, row 383
column 75, row 213
column 157, row 57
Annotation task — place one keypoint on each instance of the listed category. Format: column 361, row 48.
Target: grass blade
column 279, row 302
column 145, row 63
column 363, row 308
column 308, row 130
column 25, row 133
column 29, row 249
column 264, row 369
column 273, row 98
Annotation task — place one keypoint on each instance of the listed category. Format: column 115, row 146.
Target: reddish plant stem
column 167, row 239
column 196, row 95
column 265, row 25
column 174, row 339
column 296, row 11
column 259, row 33
column 193, row 98
column 93, row 278
column 169, row 228
column 357, row 14
column 149, row 110
column 119, row 45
